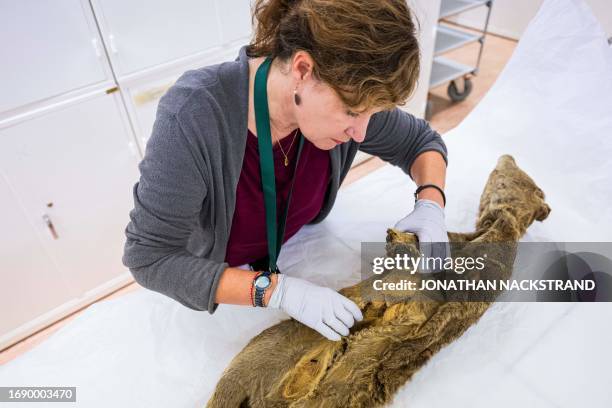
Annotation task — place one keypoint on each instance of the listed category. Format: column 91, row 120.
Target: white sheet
column 552, row 109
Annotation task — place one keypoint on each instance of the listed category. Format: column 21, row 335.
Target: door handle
column 50, row 225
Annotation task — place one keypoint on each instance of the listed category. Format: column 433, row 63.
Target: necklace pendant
column 286, row 162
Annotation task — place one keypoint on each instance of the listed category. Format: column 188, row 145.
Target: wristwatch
column 261, row 282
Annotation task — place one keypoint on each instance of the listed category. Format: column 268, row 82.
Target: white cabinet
column 77, row 170
column 30, row 282
column 72, row 170
column 47, row 48
column 80, row 81
column 140, row 34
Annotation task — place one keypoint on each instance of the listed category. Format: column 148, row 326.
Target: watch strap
column 257, row 294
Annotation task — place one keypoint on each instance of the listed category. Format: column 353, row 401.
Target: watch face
column 262, row 282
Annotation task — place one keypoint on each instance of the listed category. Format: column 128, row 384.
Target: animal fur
column 291, row 365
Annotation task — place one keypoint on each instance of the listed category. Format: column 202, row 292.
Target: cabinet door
column 142, row 95
column 143, row 100
column 47, row 48
column 30, row 282
column 73, row 170
column 144, row 33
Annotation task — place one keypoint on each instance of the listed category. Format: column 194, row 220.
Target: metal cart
column 449, row 38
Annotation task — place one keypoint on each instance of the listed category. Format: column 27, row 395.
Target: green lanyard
column 262, row 118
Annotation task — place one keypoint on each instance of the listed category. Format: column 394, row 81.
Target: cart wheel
column 428, row 110
column 453, row 91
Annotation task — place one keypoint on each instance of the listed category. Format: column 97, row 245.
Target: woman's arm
column 430, row 168
column 235, row 287
column 399, row 138
column 168, row 201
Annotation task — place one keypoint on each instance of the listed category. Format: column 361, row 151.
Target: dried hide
column 291, row 365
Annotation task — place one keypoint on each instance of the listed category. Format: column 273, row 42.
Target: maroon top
column 248, row 241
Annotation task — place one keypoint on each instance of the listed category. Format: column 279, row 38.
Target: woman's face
column 321, row 115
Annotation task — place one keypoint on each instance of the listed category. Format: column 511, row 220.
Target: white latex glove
column 427, row 221
column 318, row 307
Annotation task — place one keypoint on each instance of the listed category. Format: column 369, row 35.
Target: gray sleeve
column 398, row 137
column 167, row 202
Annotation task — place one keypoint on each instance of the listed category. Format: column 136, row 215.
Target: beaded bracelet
column 252, row 290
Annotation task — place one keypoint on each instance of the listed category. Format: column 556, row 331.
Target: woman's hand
column 427, row 221
column 320, row 308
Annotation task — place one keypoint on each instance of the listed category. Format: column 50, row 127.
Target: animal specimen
column 292, row 365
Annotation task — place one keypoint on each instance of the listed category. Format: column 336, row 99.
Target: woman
column 321, row 80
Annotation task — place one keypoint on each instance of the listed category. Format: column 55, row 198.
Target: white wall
column 427, row 13
column 510, row 17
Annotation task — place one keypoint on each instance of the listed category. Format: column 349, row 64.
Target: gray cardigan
column 185, row 199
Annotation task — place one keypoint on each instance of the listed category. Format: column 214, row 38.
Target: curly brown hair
column 366, row 50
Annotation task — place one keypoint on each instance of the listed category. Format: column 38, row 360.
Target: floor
column 446, row 115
